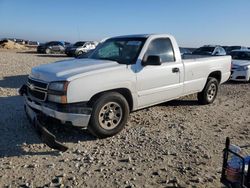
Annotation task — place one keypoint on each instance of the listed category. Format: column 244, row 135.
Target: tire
column 209, row 93
column 109, row 115
column 79, row 53
column 47, row 51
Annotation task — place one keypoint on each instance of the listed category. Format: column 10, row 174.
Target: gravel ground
column 178, row 143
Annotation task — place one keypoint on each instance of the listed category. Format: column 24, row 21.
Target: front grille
column 37, row 89
column 41, row 95
column 38, row 84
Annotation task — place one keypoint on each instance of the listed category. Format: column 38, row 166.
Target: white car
column 240, row 65
column 80, row 47
column 123, row 74
column 213, row 50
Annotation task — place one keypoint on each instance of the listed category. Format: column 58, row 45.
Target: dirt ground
column 178, row 143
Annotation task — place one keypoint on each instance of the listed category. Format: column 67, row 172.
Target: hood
column 72, row 69
column 239, row 63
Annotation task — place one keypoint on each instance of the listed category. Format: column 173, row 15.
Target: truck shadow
column 18, row 137
column 181, row 102
column 13, row 81
column 53, row 55
column 231, row 82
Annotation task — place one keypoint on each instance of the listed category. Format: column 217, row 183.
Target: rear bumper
column 240, row 75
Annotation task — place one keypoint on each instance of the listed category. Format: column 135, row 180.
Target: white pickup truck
column 122, row 75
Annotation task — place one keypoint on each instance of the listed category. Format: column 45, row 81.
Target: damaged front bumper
column 73, row 114
column 47, row 137
column 64, row 114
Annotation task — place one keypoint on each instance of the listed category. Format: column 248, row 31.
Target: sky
column 192, row 22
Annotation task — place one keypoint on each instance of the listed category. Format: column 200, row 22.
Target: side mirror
column 152, row 60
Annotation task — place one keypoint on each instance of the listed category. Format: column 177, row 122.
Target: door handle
column 174, row 70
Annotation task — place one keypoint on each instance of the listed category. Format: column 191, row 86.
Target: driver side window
column 161, row 47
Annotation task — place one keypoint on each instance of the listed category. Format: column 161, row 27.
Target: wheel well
column 123, row 91
column 216, row 75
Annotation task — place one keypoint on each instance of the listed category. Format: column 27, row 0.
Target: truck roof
column 140, row 35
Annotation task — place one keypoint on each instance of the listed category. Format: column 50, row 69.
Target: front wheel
column 209, row 93
column 47, row 51
column 79, row 53
column 109, row 115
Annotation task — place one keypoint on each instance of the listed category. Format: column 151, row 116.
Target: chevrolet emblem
column 32, row 87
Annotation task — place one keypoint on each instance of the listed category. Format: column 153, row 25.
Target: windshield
column 240, row 55
column 121, row 50
column 204, row 51
column 77, row 44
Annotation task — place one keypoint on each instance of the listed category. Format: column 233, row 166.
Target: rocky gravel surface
column 174, row 144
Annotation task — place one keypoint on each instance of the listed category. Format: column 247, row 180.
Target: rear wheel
column 209, row 93
column 109, row 115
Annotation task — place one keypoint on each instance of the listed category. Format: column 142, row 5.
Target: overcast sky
column 192, row 22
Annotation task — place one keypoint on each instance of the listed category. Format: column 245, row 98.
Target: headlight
column 58, row 86
column 57, row 92
column 243, row 68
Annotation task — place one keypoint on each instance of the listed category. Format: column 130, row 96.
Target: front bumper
column 38, row 112
column 78, row 120
column 240, row 75
column 48, row 138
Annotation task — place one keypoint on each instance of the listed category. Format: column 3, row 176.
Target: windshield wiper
column 106, row 58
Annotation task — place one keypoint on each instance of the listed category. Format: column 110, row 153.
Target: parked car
column 123, row 74
column 210, row 50
column 225, row 48
column 229, row 49
column 52, row 47
column 240, row 65
column 185, row 51
column 33, row 43
column 87, row 54
column 80, row 48
column 20, row 41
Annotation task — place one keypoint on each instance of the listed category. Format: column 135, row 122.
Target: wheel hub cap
column 211, row 91
column 110, row 115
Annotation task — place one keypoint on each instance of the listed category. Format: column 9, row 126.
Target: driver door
column 159, row 83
